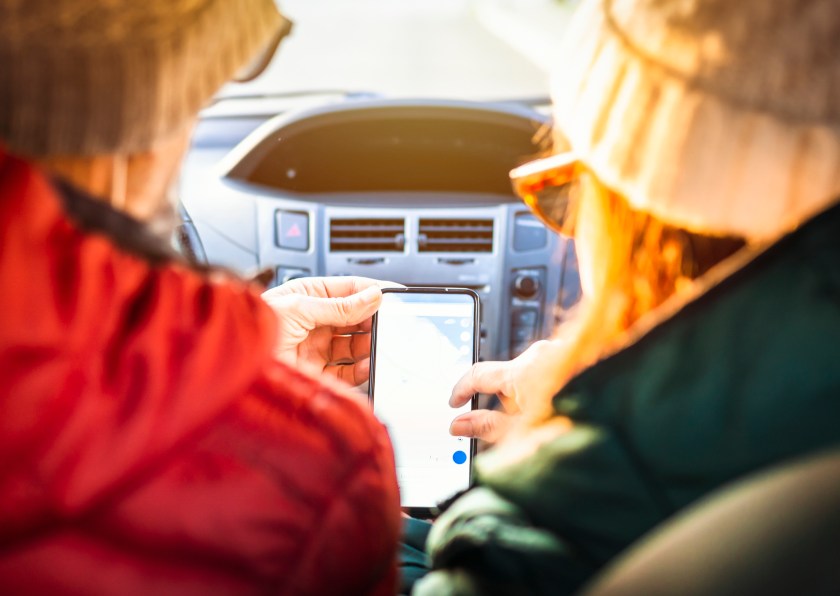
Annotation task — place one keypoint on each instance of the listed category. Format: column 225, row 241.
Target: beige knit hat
column 720, row 116
column 81, row 77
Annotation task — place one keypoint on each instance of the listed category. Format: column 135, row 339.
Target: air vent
column 455, row 235
column 367, row 235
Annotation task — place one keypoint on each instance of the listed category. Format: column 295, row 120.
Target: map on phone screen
column 424, row 344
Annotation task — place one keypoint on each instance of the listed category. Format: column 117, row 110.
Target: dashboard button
column 520, row 335
column 292, row 229
column 524, row 317
column 526, row 285
column 528, row 233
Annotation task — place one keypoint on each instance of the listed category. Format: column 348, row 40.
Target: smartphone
column 422, row 341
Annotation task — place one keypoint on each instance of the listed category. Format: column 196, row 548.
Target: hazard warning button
column 292, row 229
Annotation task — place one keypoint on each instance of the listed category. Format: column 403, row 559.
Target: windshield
column 463, row 49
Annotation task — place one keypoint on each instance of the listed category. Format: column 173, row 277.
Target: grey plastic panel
column 224, row 217
column 490, row 274
column 220, row 251
column 237, row 223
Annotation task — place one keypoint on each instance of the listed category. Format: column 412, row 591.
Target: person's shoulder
column 330, row 466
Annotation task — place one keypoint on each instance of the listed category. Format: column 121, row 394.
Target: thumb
column 488, row 425
column 343, row 311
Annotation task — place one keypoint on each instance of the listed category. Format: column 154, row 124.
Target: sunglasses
column 546, row 186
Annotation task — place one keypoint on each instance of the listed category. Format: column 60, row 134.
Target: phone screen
column 423, row 343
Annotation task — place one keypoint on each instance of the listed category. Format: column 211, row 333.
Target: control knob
column 526, row 285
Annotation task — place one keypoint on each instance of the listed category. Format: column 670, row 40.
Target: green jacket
column 742, row 377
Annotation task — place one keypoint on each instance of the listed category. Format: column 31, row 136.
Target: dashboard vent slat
column 455, row 235
column 367, row 235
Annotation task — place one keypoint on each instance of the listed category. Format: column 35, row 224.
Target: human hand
column 523, row 383
column 324, row 322
column 487, row 425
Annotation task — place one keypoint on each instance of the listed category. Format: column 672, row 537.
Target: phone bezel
column 431, row 511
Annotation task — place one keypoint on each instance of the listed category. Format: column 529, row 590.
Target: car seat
column 775, row 532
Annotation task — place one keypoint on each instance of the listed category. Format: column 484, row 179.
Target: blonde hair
column 642, row 262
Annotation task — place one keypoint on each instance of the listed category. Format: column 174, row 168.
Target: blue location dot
column 459, row 457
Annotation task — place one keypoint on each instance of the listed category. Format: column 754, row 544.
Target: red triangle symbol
column 293, row 232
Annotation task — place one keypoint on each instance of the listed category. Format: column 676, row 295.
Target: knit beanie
column 85, row 77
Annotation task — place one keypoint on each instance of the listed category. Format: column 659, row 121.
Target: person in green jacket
column 697, row 164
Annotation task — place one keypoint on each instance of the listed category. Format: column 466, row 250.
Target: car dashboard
column 414, row 192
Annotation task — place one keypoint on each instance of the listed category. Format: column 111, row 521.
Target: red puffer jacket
column 149, row 444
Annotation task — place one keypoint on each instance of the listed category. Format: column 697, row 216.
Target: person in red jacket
column 157, row 432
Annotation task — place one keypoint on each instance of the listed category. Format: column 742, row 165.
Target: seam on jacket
column 198, row 561
column 119, row 490
column 656, row 489
column 364, row 459
column 326, row 511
